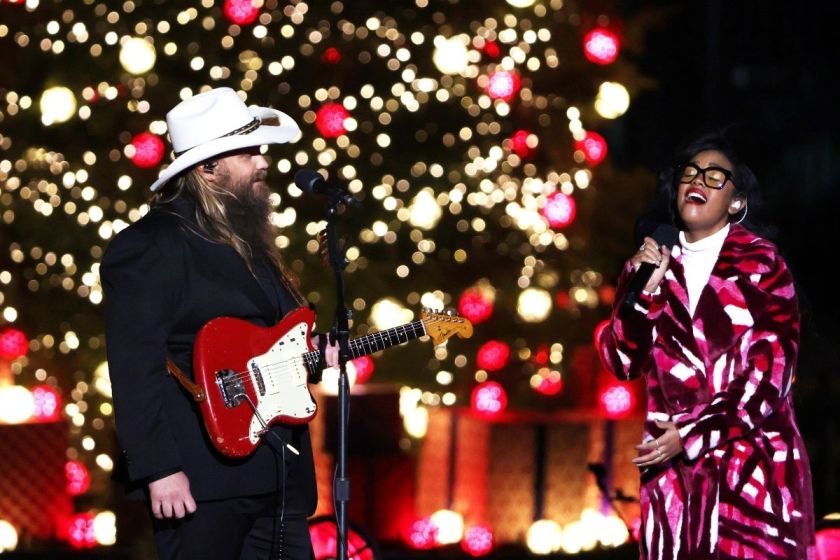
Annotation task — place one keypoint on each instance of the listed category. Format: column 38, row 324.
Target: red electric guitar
column 255, row 376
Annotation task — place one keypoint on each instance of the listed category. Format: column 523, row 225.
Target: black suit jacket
column 162, row 282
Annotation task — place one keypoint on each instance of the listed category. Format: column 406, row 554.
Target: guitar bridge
column 231, row 387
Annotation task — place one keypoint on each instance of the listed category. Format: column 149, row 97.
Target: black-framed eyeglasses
column 714, row 177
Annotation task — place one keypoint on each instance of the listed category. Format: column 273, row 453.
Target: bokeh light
column 616, row 401
column 242, row 12
column 330, row 120
column 612, row 100
column 364, row 367
column 544, row 537
column 601, row 46
column 503, row 84
column 489, row 398
column 80, row 531
column 547, row 381
column 57, row 105
column 476, row 303
column 478, row 540
column 16, row 404
column 534, row 305
column 13, row 343
column 8, row 536
column 493, row 355
column 559, row 210
column 137, row 55
column 451, row 56
column 422, row 534
column 593, row 146
column 78, row 478
column 47, row 401
column 148, row 150
column 450, row 526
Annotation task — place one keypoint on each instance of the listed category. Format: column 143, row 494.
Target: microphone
column 664, row 234
column 313, row 182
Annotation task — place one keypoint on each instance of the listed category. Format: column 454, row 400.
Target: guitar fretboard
column 373, row 342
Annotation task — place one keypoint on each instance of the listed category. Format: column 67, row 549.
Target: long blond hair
column 213, row 222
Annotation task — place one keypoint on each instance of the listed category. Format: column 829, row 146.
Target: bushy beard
column 248, row 211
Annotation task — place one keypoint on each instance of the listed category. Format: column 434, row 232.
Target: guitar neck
column 374, row 342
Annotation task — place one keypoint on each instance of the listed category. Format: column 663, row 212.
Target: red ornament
column 323, row 532
column 593, row 146
column 47, row 403
column 616, row 401
column 475, row 305
column 422, row 535
column 503, row 84
column 331, row 56
column 13, row 344
column 601, row 46
column 828, row 543
column 519, row 144
column 148, row 150
column 241, row 12
column 541, row 355
column 78, row 478
column 364, row 368
column 489, row 398
column 491, row 49
column 559, row 210
column 330, row 120
column 551, row 382
column 80, row 531
column 478, row 540
column 493, row 355
column 606, row 293
column 563, row 300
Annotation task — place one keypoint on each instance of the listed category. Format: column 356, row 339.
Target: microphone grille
column 665, row 234
column 305, row 180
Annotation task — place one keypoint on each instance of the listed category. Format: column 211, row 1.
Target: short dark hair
column 663, row 208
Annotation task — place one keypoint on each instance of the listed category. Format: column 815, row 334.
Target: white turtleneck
column 698, row 259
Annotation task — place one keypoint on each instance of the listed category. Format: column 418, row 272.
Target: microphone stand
column 341, row 328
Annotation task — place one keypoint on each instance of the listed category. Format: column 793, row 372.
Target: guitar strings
column 277, row 370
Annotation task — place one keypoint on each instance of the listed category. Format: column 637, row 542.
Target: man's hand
column 171, row 497
column 330, row 352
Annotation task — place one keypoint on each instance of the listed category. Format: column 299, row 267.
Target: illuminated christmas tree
column 469, row 129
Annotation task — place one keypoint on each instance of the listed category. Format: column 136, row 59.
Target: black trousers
column 246, row 528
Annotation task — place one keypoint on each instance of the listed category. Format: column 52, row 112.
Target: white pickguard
column 285, row 378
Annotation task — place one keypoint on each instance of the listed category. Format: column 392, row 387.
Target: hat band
column 247, row 129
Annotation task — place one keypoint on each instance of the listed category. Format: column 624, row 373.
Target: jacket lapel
column 722, row 315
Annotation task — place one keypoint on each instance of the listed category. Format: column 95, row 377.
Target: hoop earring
column 744, row 215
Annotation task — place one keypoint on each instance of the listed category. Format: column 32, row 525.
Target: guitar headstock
column 442, row 326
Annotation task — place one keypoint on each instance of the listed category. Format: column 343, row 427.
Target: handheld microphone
column 313, row 183
column 664, row 234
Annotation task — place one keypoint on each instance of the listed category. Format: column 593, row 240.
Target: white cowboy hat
column 218, row 121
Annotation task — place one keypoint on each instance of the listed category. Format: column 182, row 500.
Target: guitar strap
column 195, row 390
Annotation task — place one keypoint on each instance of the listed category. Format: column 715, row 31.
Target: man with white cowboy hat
column 205, row 250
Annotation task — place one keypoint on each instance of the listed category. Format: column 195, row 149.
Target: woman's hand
column 660, row 450
column 656, row 255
